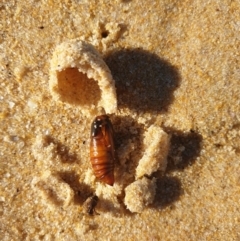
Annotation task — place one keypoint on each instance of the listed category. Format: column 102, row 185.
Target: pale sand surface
column 176, row 65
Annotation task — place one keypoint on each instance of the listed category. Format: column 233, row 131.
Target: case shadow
column 144, row 81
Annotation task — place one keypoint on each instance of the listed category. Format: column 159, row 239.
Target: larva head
column 98, row 124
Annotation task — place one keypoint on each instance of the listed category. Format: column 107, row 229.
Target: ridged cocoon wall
column 80, row 77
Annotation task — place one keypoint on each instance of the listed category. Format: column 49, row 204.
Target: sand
column 175, row 66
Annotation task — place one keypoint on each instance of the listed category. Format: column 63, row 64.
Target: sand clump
column 80, row 77
column 156, row 143
column 139, row 194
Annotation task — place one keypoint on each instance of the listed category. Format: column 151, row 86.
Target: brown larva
column 102, row 152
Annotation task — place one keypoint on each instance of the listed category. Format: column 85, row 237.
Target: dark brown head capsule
column 90, row 204
column 102, row 152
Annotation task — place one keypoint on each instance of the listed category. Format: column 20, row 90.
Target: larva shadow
column 144, row 81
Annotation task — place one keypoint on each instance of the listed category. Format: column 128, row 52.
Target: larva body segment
column 102, row 152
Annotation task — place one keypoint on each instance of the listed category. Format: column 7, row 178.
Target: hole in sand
column 76, row 88
column 105, row 33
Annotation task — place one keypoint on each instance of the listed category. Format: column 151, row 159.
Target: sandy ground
column 176, row 65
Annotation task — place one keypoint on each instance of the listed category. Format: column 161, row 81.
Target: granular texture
column 175, row 66
column 139, row 194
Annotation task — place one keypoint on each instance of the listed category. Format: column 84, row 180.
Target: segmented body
column 102, row 152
